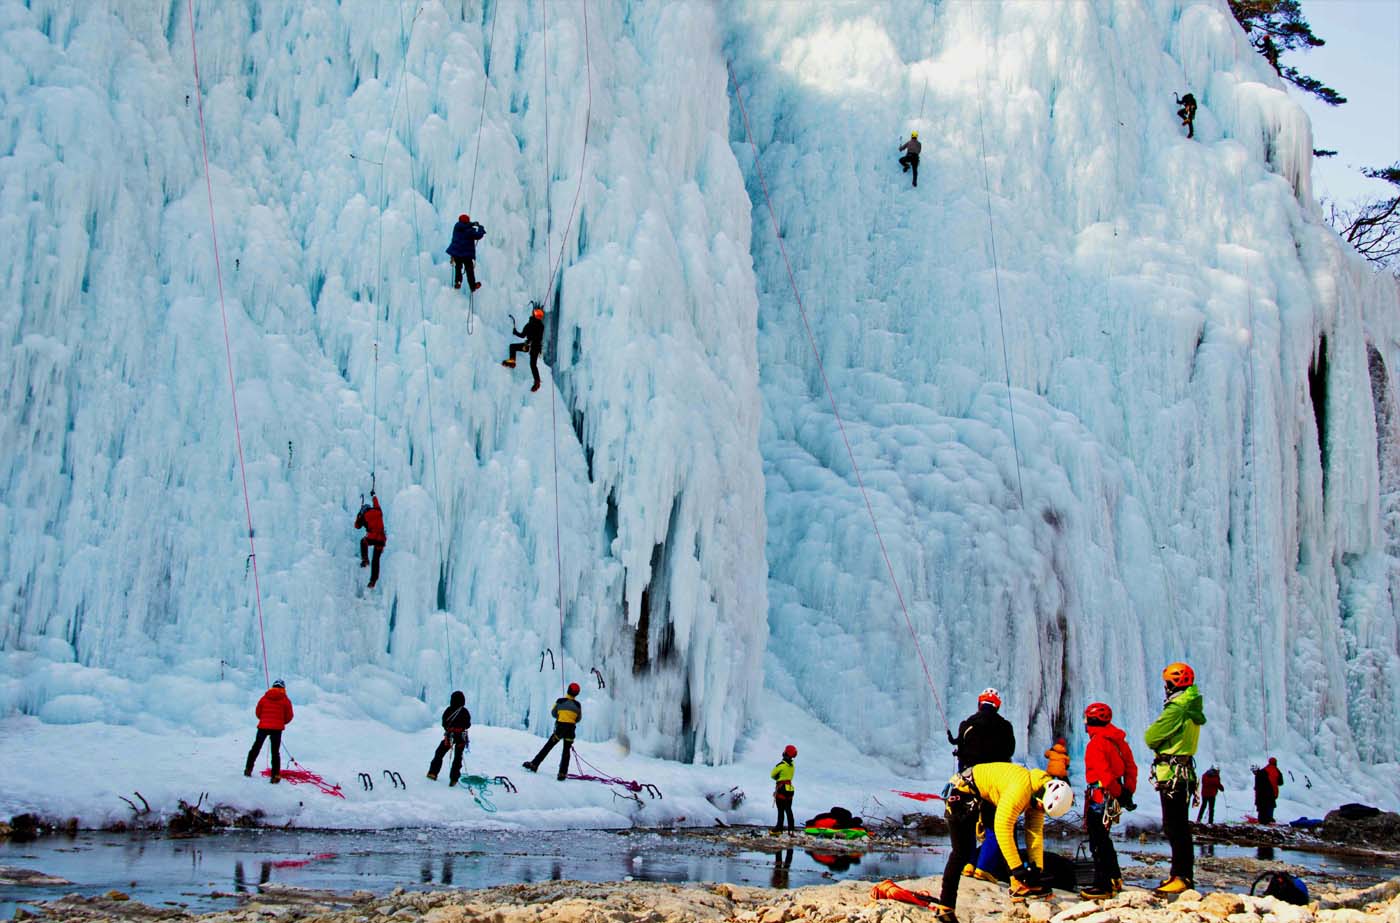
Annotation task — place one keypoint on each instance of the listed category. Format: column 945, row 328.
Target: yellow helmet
column 913, row 134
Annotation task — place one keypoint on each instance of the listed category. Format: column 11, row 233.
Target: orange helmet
column 1179, row 675
column 538, row 312
column 1098, row 711
column 990, row 697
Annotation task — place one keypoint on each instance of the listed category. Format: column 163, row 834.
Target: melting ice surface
column 1117, row 398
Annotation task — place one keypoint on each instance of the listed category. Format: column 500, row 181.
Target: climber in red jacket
column 274, row 711
column 371, row 519
column 1111, row 772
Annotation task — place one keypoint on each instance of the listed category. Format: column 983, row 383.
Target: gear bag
column 1285, row 887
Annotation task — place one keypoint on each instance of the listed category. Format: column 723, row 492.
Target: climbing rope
column 996, row 279
column 228, row 347
column 554, row 268
column 476, row 158
column 405, row 33
column 831, row 396
column 1253, row 421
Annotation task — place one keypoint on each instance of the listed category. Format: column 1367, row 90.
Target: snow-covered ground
column 1117, row 397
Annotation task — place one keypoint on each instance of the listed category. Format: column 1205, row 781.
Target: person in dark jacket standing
column 910, row 160
column 456, row 721
column 533, row 336
column 274, row 711
column 371, row 519
column 1267, row 782
column 567, row 713
column 465, row 234
column 1210, row 787
column 984, row 737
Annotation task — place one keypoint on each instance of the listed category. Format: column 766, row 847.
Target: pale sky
column 1361, row 60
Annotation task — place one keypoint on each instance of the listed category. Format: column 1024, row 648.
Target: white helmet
column 1057, row 798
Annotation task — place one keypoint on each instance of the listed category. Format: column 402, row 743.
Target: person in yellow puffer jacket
column 1016, row 791
column 1057, row 759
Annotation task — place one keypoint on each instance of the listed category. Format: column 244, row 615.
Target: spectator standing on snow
column 1210, row 787
column 274, row 711
column 456, row 721
column 1267, row 782
column 783, row 790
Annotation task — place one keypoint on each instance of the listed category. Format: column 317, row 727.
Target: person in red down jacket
column 371, row 519
column 1111, row 772
column 274, row 713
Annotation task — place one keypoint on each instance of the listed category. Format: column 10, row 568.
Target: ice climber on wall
column 1173, row 738
column 371, row 519
column 567, row 713
column 1012, row 791
column 912, row 147
column 783, row 790
column 465, row 234
column 533, row 336
column 1111, row 774
column 456, row 721
column 274, row 711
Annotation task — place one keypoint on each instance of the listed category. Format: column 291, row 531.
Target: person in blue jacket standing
column 463, row 250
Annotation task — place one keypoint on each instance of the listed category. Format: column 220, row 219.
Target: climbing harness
column 1173, row 774
column 228, row 347
column 831, row 396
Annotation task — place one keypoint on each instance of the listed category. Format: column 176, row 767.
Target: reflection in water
column 836, row 862
column 782, row 867
column 1207, row 849
column 1265, row 853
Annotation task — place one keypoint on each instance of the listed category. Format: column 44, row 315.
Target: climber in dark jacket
column 912, row 148
column 463, row 250
column 1187, row 113
column 456, row 721
column 533, row 336
column 984, row 737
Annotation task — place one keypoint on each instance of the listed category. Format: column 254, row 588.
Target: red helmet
column 464, row 217
column 1179, row 675
column 538, row 312
column 573, row 688
column 789, row 751
column 1099, row 712
column 991, row 697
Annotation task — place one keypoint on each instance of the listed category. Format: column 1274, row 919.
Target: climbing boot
column 1117, row 885
column 508, row 363
column 980, row 874
column 1097, row 892
column 247, row 772
column 535, row 388
column 1173, row 885
column 530, row 766
column 942, row 912
column 276, row 778
column 476, row 285
column 1021, row 892
column 432, row 776
column 451, row 783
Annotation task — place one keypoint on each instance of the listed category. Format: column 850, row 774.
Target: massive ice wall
column 343, row 142
column 1119, row 398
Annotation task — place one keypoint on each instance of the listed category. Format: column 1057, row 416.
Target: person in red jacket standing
column 1111, row 772
column 274, row 713
column 1211, row 786
column 371, row 519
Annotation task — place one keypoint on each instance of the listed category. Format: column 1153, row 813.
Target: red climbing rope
column 228, row 348
column 831, row 396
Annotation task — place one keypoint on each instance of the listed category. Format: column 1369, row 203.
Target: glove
column 1126, row 802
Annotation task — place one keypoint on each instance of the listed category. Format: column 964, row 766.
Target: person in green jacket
column 783, row 790
column 1173, row 738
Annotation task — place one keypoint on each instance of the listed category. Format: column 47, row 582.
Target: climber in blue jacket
column 463, row 250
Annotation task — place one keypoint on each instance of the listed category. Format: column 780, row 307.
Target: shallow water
column 193, row 872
